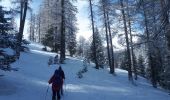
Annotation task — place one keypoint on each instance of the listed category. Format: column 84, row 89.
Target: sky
column 82, row 16
column 83, row 19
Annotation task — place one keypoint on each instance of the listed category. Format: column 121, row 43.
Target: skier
column 56, row 81
column 63, row 78
column 50, row 61
column 56, row 59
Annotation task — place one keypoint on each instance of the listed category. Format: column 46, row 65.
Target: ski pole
column 64, row 89
column 46, row 92
column 64, row 86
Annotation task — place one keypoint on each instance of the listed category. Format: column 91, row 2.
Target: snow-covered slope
column 30, row 82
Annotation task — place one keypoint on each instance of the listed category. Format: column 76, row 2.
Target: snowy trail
column 30, row 82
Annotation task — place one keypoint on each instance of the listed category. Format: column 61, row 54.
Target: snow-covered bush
column 83, row 70
column 79, row 74
column 44, row 49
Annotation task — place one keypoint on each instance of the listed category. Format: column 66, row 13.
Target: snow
column 8, row 51
column 31, row 81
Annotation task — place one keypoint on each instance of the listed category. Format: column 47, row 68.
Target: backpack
column 57, row 78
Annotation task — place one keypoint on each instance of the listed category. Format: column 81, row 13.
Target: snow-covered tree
column 59, row 15
column 81, row 46
column 22, row 8
column 99, row 49
column 124, row 62
column 104, row 6
column 71, row 43
column 141, row 66
column 48, row 40
column 93, row 32
column 7, row 40
column 32, row 27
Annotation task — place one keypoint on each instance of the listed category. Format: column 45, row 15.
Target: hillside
column 31, row 81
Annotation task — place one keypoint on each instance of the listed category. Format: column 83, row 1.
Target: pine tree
column 165, row 22
column 7, row 40
column 60, row 15
column 63, row 28
column 71, row 45
column 5, row 26
column 99, row 49
column 71, row 28
column 48, row 39
column 32, row 27
column 124, row 61
column 81, row 46
column 150, row 28
column 134, row 66
column 141, row 66
column 165, row 19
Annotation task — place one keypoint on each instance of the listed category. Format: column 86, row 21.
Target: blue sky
column 82, row 16
column 36, row 4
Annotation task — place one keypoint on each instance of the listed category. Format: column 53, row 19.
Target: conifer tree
column 7, row 39
column 141, row 66
column 5, row 26
column 48, row 39
column 99, row 49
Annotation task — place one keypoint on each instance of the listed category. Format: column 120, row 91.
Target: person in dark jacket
column 56, row 81
column 56, row 59
column 63, row 78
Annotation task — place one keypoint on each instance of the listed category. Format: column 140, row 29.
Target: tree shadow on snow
column 7, row 87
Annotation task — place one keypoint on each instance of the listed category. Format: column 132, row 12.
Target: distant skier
column 56, row 81
column 63, row 78
column 56, row 59
column 50, row 61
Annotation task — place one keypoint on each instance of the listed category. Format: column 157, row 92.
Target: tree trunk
column 165, row 19
column 151, row 65
column 107, row 37
column 132, row 50
column 111, row 45
column 94, row 44
column 131, row 43
column 127, row 42
column 62, row 49
column 23, row 13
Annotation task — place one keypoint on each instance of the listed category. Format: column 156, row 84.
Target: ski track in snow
column 31, row 81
